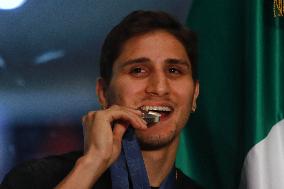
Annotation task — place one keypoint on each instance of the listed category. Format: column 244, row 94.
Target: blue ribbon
column 129, row 171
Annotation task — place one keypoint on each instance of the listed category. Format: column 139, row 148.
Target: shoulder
column 184, row 181
column 41, row 173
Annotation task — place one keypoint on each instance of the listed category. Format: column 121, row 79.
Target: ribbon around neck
column 129, row 172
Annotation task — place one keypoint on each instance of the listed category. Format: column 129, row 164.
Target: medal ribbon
column 129, row 171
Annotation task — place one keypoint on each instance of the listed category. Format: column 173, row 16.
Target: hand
column 104, row 129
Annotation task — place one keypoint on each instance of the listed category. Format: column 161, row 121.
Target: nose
column 158, row 85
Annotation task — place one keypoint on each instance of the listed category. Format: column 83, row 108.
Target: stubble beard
column 162, row 140
column 156, row 142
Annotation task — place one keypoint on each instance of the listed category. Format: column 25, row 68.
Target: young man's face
column 153, row 71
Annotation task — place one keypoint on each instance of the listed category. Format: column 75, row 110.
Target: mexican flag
column 264, row 164
column 236, row 137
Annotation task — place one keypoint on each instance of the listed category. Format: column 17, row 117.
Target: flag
column 236, row 137
column 264, row 164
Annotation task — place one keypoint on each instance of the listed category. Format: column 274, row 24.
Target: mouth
column 162, row 111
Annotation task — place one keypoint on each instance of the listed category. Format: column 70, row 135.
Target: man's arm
column 102, row 144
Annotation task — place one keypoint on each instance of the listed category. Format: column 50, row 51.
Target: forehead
column 157, row 46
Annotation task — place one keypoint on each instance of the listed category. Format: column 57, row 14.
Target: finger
column 130, row 111
column 89, row 118
column 133, row 119
column 124, row 108
column 86, row 118
column 119, row 130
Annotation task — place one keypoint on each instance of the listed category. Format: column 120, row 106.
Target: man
column 148, row 62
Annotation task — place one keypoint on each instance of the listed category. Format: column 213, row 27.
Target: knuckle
column 90, row 114
column 115, row 107
column 98, row 113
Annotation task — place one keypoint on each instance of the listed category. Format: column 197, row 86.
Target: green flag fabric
column 236, row 137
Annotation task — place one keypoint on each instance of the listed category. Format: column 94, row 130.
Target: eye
column 174, row 70
column 138, row 72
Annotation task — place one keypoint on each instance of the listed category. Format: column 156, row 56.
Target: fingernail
column 143, row 120
column 139, row 111
column 145, row 123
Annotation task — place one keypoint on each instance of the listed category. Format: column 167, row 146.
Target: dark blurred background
column 49, row 53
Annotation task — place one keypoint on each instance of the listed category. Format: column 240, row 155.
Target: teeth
column 154, row 113
column 156, row 108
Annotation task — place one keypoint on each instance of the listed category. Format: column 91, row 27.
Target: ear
column 195, row 96
column 101, row 92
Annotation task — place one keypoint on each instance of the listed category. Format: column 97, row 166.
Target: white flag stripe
column 264, row 165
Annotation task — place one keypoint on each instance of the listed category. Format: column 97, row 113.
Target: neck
column 159, row 162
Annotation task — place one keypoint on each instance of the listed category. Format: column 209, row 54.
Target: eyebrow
column 178, row 61
column 135, row 61
column 145, row 60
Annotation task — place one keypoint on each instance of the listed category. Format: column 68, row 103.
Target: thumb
column 119, row 129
